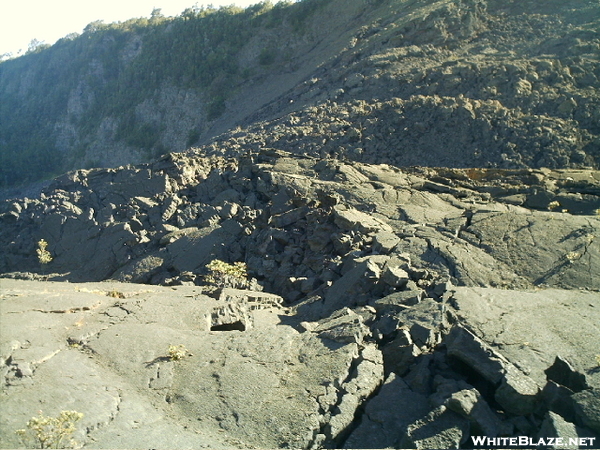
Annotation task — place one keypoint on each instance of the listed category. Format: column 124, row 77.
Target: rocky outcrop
column 387, row 307
column 309, row 226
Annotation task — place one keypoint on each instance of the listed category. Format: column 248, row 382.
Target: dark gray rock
column 395, row 277
column 398, row 285
column 289, row 217
column 420, row 375
column 387, row 415
column 361, row 383
column 194, row 250
column 140, row 270
column 558, row 399
column 400, row 353
column 470, row 404
column 517, row 393
column 352, row 288
column 261, row 387
column 385, row 241
column 351, row 219
column 252, row 298
column 472, row 351
column 230, row 317
column 563, row 373
column 550, row 249
column 441, row 428
column 344, row 326
column 587, row 408
column 398, row 301
column 554, row 426
column 427, row 322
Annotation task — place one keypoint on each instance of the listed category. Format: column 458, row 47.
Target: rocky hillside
column 456, row 83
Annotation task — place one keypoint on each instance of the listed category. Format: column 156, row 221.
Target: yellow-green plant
column 51, row 432
column 553, row 205
column 44, row 256
column 573, row 256
column 222, row 274
column 177, row 352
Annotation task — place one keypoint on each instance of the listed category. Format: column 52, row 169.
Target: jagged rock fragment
column 441, row 428
column 517, row 393
column 387, row 415
column 229, row 317
column 470, row 404
column 587, row 408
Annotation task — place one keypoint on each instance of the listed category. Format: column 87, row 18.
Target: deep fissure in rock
column 485, row 388
column 235, row 326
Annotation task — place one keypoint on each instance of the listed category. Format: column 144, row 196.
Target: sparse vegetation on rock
column 50, row 432
column 44, row 256
column 223, row 274
column 177, row 352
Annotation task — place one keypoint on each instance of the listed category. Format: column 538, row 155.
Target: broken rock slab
column 254, row 299
column 554, row 426
column 530, row 329
column 344, row 326
column 229, row 317
column 547, row 248
column 440, row 428
column 194, row 250
column 365, row 377
column 587, row 408
column 470, row 404
column 351, row 219
column 387, row 415
column 516, row 392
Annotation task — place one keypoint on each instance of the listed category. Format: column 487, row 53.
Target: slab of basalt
column 103, row 349
column 531, row 328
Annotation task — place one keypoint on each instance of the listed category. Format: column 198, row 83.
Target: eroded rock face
column 425, row 306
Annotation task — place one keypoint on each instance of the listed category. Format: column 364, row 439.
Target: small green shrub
column 115, row 294
column 50, row 432
column 177, row 352
column 553, row 205
column 573, row 256
column 222, row 274
column 44, row 256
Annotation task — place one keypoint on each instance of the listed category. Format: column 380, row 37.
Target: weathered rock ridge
column 412, row 307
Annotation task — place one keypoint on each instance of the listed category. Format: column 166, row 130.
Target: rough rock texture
column 390, row 302
column 420, row 306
